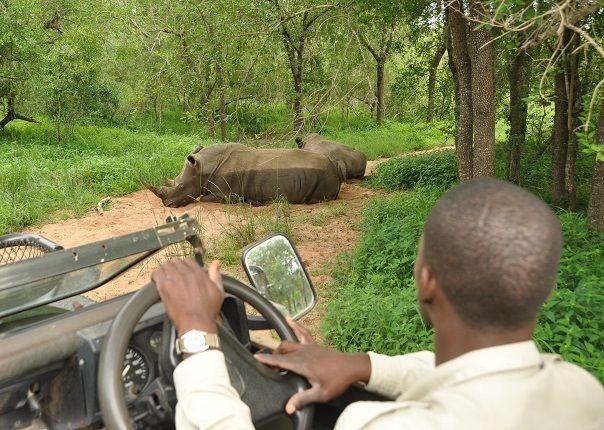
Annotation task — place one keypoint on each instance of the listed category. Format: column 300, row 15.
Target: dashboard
column 49, row 370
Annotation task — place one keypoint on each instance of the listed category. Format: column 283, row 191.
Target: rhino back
column 351, row 162
column 262, row 175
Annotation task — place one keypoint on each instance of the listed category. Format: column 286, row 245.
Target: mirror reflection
column 277, row 273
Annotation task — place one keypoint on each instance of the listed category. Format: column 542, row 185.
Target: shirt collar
column 477, row 363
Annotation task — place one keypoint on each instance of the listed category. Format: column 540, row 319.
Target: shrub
column 571, row 322
column 437, row 169
column 374, row 307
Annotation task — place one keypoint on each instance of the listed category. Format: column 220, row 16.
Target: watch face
column 194, row 341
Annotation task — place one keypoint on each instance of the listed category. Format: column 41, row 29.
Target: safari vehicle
column 110, row 364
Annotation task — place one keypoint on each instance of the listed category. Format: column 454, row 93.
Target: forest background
column 96, row 96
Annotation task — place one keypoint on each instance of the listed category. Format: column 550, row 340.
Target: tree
column 18, row 56
column 560, row 132
column 519, row 84
column 434, row 63
column 296, row 27
column 595, row 211
column 482, row 54
column 461, row 69
column 378, row 26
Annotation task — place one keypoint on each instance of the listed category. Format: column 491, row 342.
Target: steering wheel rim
column 110, row 387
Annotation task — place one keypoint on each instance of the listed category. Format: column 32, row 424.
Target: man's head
column 491, row 249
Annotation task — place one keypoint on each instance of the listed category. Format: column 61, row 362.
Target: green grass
column 373, row 304
column 330, row 210
column 41, row 179
column 393, row 139
column 406, row 172
column 44, row 180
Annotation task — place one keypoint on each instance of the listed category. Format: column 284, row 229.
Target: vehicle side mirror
column 276, row 271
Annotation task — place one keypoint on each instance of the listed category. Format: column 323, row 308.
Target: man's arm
column 192, row 298
column 206, row 398
column 331, row 372
column 390, row 376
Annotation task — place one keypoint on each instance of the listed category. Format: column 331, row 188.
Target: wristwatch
column 195, row 341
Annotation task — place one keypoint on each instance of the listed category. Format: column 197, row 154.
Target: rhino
column 232, row 173
column 350, row 162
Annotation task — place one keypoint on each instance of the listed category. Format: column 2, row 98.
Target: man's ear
column 426, row 285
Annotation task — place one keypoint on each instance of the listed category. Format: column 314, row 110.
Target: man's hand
column 192, row 297
column 329, row 372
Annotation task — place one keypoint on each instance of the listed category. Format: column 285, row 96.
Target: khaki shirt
column 504, row 387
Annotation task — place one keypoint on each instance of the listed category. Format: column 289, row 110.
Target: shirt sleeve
column 390, row 376
column 206, row 398
column 388, row 415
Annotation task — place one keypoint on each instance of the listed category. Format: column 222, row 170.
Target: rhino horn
column 168, row 182
column 158, row 191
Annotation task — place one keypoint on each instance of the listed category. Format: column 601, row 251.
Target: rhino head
column 185, row 188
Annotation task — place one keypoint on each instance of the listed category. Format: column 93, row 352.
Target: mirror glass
column 276, row 271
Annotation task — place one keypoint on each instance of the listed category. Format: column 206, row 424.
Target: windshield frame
column 145, row 242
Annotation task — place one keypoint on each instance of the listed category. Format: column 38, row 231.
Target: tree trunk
column 463, row 70
column 223, row 119
column 452, row 68
column 438, row 55
column 560, row 132
column 482, row 52
column 158, row 108
column 574, row 110
column 595, row 210
column 519, row 89
column 559, row 139
column 379, row 92
column 298, row 114
column 12, row 115
column 211, row 124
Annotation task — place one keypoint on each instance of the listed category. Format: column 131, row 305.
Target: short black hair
column 494, row 249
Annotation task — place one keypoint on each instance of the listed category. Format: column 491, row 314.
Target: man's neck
column 458, row 338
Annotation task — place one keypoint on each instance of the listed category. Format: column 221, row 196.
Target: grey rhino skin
column 350, row 162
column 232, row 172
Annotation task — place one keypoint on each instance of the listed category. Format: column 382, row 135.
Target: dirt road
column 320, row 234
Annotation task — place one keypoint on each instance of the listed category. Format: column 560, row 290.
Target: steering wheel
column 244, row 369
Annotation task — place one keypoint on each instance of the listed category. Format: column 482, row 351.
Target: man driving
column 486, row 262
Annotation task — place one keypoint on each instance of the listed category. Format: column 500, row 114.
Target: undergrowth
column 244, row 227
column 373, row 304
column 438, row 169
column 41, row 179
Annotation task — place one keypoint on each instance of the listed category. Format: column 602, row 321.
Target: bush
column 571, row 322
column 438, row 169
column 374, row 306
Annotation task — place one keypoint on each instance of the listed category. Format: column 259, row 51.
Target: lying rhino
column 350, row 162
column 233, row 172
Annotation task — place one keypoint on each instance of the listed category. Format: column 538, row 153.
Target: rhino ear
column 299, row 142
column 191, row 160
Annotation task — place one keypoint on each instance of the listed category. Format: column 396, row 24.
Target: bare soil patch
column 320, row 235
